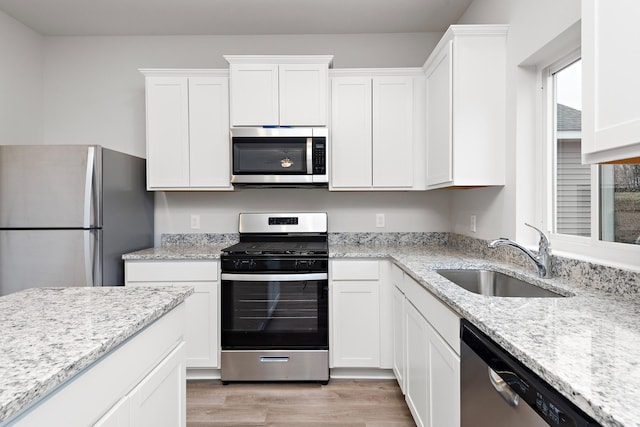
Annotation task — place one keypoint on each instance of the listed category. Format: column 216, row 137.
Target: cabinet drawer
column 445, row 321
column 355, row 270
column 171, row 271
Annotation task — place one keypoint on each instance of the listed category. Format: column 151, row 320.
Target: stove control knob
column 305, row 264
column 244, row 264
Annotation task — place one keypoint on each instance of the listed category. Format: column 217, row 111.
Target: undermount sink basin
column 493, row 283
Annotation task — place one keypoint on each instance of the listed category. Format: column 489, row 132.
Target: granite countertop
column 51, row 334
column 586, row 345
column 178, row 252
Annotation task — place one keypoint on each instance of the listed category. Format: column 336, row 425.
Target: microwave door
column 262, row 156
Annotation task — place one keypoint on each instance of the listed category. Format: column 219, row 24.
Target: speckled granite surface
column 586, row 345
column 51, row 334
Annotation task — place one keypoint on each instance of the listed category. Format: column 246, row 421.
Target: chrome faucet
column 542, row 261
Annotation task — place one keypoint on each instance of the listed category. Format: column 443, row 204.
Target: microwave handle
column 309, row 156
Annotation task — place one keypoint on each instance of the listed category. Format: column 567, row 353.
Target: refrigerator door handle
column 88, row 187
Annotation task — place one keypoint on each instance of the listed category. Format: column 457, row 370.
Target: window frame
column 621, row 255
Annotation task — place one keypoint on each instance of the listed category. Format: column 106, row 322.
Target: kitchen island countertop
column 49, row 335
column 586, row 345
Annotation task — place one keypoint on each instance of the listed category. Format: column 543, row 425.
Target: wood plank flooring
column 344, row 403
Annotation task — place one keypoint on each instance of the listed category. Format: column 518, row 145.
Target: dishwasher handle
column 503, row 389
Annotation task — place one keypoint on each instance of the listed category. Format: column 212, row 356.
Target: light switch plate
column 472, row 224
column 380, row 220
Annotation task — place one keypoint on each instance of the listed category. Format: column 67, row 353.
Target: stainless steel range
column 275, row 299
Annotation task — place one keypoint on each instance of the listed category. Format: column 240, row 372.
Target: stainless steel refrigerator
column 68, row 213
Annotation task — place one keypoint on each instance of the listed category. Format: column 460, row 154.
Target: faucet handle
column 544, row 241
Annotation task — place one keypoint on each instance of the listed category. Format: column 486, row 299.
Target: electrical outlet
column 380, row 220
column 472, row 224
column 195, row 222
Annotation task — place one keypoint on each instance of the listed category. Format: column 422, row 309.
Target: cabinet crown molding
column 183, row 72
column 280, row 59
column 375, row 72
column 466, row 30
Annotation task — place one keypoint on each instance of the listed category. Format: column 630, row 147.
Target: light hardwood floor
column 344, row 403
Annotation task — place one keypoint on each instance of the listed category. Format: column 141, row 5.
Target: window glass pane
column 572, row 190
column 620, row 203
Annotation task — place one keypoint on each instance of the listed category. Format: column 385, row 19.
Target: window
column 572, row 185
column 620, row 203
column 590, row 208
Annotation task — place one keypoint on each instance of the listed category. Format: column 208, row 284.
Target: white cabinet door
column 187, row 130
column 209, row 157
column 466, row 107
column 303, row 94
column 399, row 336
column 254, row 94
column 432, row 370
column 355, row 313
column 444, row 382
column 160, row 399
column 279, row 90
column 167, row 103
column 393, row 132
column 418, row 366
column 351, row 132
column 355, row 328
column 202, row 335
column 375, row 143
column 611, row 65
column 439, row 120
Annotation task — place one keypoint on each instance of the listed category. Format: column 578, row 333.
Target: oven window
column 266, row 156
column 274, row 314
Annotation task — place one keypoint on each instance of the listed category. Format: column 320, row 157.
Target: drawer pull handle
column 274, row 358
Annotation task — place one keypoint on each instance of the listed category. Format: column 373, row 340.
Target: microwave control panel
column 319, row 156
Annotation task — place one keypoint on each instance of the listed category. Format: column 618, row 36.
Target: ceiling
column 233, row 17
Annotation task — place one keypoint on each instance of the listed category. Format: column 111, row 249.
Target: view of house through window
column 619, row 185
column 620, row 203
column 573, row 179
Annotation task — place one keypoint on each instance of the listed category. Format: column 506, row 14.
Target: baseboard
column 203, row 374
column 361, row 373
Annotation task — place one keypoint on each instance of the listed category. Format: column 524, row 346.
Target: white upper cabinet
column 611, row 88
column 279, row 90
column 377, row 140
column 465, row 107
column 187, row 130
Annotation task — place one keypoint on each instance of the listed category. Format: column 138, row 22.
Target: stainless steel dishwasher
column 497, row 390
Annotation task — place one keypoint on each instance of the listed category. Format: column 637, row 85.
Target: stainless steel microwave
column 280, row 156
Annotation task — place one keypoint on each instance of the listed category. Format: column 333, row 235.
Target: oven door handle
column 273, row 277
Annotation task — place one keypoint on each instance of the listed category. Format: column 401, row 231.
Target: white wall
column 502, row 212
column 404, row 211
column 21, row 50
column 95, row 95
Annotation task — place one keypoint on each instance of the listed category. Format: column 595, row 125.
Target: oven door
column 274, row 311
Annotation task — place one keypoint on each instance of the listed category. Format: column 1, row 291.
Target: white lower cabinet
column 140, row 383
column 355, row 314
column 427, row 333
column 152, row 402
column 360, row 314
column 202, row 331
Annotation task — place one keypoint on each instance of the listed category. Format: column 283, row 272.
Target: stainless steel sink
column 493, row 283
